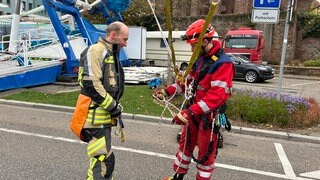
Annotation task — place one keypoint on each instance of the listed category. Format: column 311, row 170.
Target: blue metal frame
column 87, row 30
column 52, row 7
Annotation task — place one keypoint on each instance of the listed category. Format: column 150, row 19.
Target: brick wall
column 298, row 49
column 242, row 6
column 308, row 48
column 308, row 71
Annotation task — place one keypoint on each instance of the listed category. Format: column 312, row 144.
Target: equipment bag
column 80, row 115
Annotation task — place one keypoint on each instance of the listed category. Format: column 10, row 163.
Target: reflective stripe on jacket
column 99, row 77
column 213, row 89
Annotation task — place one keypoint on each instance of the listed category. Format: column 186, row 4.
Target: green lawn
column 136, row 99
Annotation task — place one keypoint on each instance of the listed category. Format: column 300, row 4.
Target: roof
column 244, row 31
column 175, row 34
column 157, row 34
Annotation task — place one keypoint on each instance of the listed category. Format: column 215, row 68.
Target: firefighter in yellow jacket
column 101, row 78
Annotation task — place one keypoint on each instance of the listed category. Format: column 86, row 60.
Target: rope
column 169, row 26
column 161, row 32
column 168, row 106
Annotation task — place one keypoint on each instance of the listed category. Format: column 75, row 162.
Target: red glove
column 182, row 118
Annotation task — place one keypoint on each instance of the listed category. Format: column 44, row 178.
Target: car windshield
column 241, row 42
column 239, row 58
column 243, row 58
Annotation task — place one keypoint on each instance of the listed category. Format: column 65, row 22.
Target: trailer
column 157, row 52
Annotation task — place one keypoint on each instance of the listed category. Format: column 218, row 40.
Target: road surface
column 37, row 144
column 299, row 86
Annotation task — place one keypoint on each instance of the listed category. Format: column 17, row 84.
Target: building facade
column 231, row 14
column 9, row 5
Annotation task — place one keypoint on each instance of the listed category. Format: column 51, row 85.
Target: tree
column 140, row 14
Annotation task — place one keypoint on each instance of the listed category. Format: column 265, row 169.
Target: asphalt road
column 299, row 86
column 37, row 144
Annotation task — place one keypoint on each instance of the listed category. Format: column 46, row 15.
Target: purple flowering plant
column 292, row 103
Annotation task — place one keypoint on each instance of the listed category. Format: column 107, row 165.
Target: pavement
column 235, row 129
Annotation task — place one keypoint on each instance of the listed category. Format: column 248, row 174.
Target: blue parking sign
column 266, row 4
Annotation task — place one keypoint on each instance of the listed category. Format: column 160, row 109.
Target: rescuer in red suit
column 209, row 85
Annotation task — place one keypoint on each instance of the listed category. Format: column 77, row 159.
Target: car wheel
column 251, row 76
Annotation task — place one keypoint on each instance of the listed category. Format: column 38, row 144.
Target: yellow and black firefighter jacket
column 101, row 77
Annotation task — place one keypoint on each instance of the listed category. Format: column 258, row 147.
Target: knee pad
column 96, row 147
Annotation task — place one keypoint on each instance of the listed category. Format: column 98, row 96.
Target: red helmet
column 194, row 30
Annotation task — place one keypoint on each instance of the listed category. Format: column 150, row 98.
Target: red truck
column 245, row 41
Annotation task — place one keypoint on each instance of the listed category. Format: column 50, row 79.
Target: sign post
column 284, row 47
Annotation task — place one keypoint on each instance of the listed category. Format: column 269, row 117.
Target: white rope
column 161, row 32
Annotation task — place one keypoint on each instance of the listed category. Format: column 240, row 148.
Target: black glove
column 116, row 111
column 228, row 125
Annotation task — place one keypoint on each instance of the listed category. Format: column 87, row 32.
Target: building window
column 30, row 6
column 1, row 13
column 162, row 44
column 8, row 3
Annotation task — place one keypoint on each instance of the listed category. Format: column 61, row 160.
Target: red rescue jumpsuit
column 212, row 91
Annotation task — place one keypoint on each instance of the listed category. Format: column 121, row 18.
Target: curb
column 316, row 78
column 235, row 129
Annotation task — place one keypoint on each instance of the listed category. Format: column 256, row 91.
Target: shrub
column 309, row 24
column 312, row 63
column 262, row 107
column 307, row 118
column 257, row 109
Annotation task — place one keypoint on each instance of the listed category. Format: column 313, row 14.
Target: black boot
column 175, row 177
column 220, row 140
column 179, row 136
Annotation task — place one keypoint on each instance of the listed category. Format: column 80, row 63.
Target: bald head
column 117, row 33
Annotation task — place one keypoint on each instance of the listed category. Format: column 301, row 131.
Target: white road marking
column 288, row 170
column 303, row 84
column 288, row 174
column 313, row 174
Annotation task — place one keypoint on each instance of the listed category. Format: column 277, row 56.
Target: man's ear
column 205, row 41
column 113, row 34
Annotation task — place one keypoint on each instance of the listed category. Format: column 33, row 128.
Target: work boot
column 179, row 136
column 175, row 177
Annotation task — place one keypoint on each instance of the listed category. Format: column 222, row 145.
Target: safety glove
column 179, row 77
column 116, row 111
column 182, row 118
column 160, row 93
column 228, row 125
